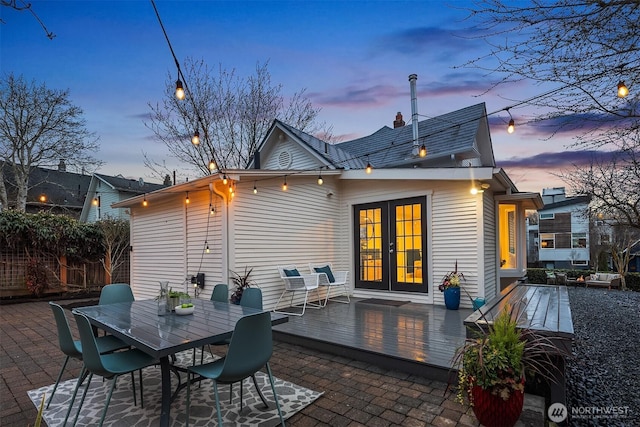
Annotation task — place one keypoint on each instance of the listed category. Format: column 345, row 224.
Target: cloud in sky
column 557, row 160
column 356, row 96
column 444, row 42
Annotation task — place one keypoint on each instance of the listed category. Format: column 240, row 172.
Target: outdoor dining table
column 139, row 325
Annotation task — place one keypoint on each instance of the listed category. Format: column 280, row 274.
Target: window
column 578, row 262
column 508, row 238
column 547, row 240
column 605, row 239
column 547, row 216
column 579, row 240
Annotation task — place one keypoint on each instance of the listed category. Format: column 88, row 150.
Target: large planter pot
column 452, row 298
column 493, row 411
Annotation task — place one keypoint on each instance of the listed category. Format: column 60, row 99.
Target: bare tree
column 234, row 114
column 583, row 49
column 13, row 4
column 116, row 243
column 624, row 239
column 38, row 127
column 612, row 180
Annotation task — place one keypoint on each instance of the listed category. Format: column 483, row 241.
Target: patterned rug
column 121, row 412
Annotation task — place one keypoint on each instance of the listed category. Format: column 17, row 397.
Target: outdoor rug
column 379, row 301
column 121, row 412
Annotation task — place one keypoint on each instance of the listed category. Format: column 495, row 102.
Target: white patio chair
column 294, row 282
column 327, row 273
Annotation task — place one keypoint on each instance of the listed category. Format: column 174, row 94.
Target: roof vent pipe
column 414, row 111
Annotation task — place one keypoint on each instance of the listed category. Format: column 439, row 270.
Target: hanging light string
column 188, row 94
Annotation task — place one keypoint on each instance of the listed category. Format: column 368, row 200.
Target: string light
column 224, row 179
column 369, row 168
column 212, row 210
column 230, row 189
column 144, row 201
column 284, row 184
column 186, row 200
column 512, row 126
column 623, row 91
column 320, row 180
column 207, row 248
column 423, row 151
column 179, row 90
column 43, row 198
column 195, row 139
column 212, row 165
column 255, row 189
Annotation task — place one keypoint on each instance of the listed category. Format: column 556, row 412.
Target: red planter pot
column 493, row 411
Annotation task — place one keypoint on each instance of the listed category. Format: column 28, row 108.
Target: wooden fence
column 65, row 277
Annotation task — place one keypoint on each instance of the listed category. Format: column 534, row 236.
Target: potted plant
column 492, row 368
column 451, row 287
column 240, row 283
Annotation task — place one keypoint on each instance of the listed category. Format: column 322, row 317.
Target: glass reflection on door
column 370, row 223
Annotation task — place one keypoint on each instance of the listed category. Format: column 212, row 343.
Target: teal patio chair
column 252, row 297
column 73, row 348
column 110, row 365
column 220, row 293
column 249, row 351
column 116, row 292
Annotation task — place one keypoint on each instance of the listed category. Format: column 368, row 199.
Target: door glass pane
column 508, row 243
column 408, row 244
column 371, row 244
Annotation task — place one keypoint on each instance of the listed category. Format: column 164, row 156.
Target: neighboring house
column 397, row 230
column 634, row 258
column 105, row 190
column 51, row 190
column 562, row 232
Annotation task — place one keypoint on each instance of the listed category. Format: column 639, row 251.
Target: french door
column 390, row 242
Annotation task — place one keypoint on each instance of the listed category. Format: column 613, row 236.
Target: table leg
column 165, row 371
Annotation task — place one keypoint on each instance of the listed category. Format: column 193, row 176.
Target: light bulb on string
column 623, row 91
column 212, row 210
column 255, row 189
column 224, row 179
column 179, row 90
column 186, row 200
column 212, row 165
column 207, row 250
column 195, row 139
column 144, row 201
column 423, row 151
column 512, row 126
column 320, row 180
column 369, row 168
column 284, row 184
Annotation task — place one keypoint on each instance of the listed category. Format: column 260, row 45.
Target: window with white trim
column 547, row 240
column 578, row 240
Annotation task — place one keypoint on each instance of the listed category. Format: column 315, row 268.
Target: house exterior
column 104, row 190
column 51, row 190
column 397, row 230
column 561, row 235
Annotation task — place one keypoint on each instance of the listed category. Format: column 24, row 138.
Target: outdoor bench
column 543, row 309
column 608, row 280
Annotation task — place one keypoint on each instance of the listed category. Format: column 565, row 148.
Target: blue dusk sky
column 352, row 57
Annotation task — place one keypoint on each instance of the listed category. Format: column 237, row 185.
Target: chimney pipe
column 414, row 111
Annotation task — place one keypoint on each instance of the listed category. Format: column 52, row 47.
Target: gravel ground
column 603, row 376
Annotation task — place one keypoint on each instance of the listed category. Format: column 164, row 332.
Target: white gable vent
column 284, row 159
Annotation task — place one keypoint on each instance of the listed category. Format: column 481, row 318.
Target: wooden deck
column 415, row 338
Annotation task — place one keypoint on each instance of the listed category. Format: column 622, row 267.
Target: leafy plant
column 451, row 279
column 499, row 357
column 36, row 277
column 241, row 282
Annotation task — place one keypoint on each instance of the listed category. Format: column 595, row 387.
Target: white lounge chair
column 331, row 279
column 294, row 282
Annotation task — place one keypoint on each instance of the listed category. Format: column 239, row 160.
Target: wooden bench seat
column 544, row 309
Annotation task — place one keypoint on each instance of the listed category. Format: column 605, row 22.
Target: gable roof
column 455, row 133
column 125, row 185
column 570, row 201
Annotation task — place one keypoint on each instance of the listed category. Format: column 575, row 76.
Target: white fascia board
column 435, row 174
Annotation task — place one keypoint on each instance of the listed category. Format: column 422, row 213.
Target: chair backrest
column 90, row 353
column 250, row 347
column 116, row 292
column 220, row 293
column 65, row 339
column 295, row 282
column 252, row 297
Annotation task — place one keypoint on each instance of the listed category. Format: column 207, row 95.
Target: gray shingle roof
column 129, row 185
column 333, row 154
column 450, row 133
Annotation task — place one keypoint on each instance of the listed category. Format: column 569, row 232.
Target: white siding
column 452, row 229
column 275, row 227
column 490, row 250
column 300, row 159
column 157, row 240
